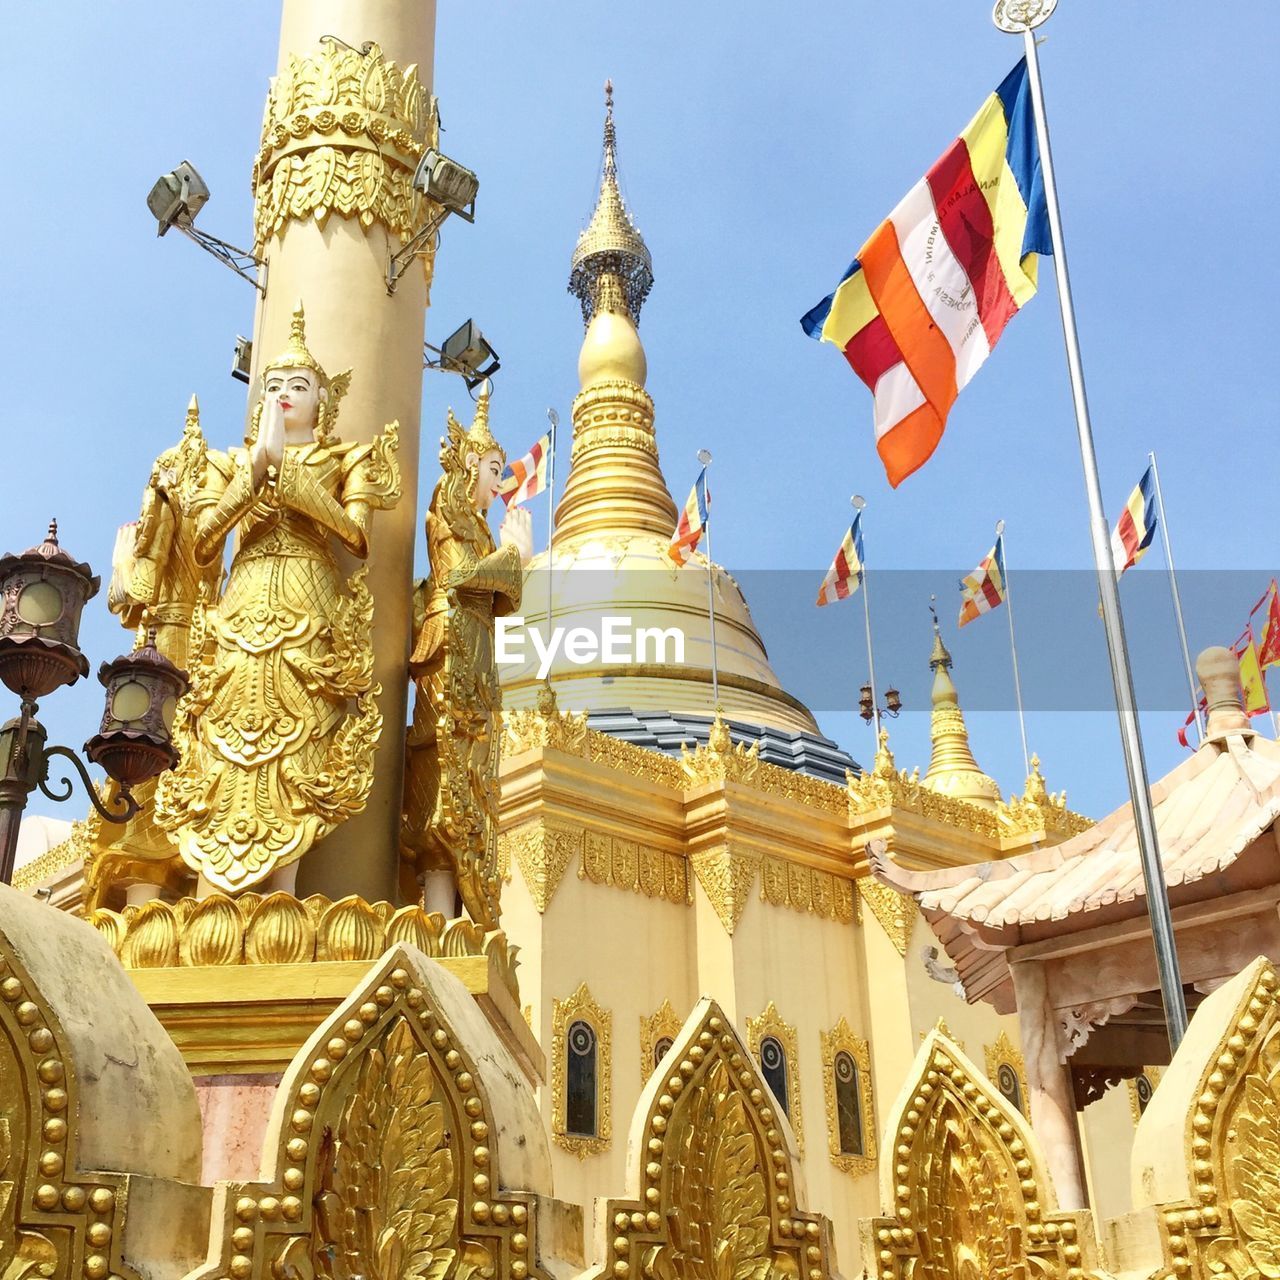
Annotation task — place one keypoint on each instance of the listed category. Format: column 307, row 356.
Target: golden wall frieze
column 543, row 852
column 719, row 759
column 836, row 1043
column 1002, row 1058
column 631, row 865
column 726, row 875
column 663, row 1024
column 279, row 929
column 581, row 1007
column 868, row 792
column 968, row 1195
column 342, row 133
column 896, row 912
column 389, row 1152
column 770, row 1024
column 715, row 1194
column 76, row 850
column 784, row 883
column 1218, row 1188
column 531, row 729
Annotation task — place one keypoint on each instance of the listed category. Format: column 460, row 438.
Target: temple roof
column 1209, row 813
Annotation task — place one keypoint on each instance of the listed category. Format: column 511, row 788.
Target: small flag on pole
column 1136, row 527
column 1256, row 701
column 984, row 589
column 930, row 293
column 1269, row 641
column 692, row 522
column 845, row 575
column 527, row 476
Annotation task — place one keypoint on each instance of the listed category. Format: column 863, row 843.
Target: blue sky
column 756, row 154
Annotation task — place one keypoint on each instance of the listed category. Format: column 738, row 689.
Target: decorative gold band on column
column 343, row 133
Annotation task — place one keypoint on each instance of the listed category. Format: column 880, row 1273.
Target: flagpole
column 859, row 503
column 1177, row 597
column 554, row 418
column 1013, row 648
column 704, row 457
column 1029, row 15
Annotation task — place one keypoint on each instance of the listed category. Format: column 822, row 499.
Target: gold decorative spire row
column 952, row 767
column 611, row 268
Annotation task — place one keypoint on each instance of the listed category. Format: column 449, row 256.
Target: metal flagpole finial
column 554, row 418
column 857, row 502
column 704, row 457
column 1017, row 16
column 999, row 528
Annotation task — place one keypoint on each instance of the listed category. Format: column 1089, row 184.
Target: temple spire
column 615, row 486
column 953, row 770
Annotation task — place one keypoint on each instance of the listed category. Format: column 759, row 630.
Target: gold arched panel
column 382, row 1157
column 663, row 1024
column 770, row 1023
column 967, row 1195
column 841, row 1039
column 564, row 1013
column 713, row 1179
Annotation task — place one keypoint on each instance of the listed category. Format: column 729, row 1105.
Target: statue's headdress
column 298, row 356
column 452, row 499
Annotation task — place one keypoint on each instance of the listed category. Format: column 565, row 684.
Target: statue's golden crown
column 296, row 355
column 477, row 439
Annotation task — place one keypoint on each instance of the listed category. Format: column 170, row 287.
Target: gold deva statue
column 451, row 782
column 157, row 581
column 278, row 731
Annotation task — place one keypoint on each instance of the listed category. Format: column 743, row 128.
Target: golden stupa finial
column 952, row 767
column 1036, row 792
column 611, row 269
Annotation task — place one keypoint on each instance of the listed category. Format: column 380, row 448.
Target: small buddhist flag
column 1251, row 679
column 1269, row 641
column 1136, row 527
column 845, row 575
column 692, row 522
column 527, row 476
column 983, row 590
column 930, row 293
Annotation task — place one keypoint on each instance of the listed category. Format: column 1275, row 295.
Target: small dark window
column 773, row 1065
column 661, row 1049
column 848, row 1105
column 580, row 1108
column 1009, row 1085
column 1145, row 1089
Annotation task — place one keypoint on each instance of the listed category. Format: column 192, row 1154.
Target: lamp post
column 867, row 708
column 42, row 594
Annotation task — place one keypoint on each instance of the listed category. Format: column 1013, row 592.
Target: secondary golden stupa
column 618, row 957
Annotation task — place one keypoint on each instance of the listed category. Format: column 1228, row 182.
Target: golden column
column 348, row 116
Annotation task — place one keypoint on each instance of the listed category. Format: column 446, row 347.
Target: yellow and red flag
column 1134, row 531
column 1251, row 678
column 845, row 575
column 693, row 520
column 527, row 476
column 1269, row 640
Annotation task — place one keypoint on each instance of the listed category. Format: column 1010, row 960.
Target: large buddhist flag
column 1131, row 538
column 930, row 293
column 845, row 575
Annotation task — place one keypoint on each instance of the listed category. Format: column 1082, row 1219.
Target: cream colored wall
column 635, row 952
column 1107, row 1129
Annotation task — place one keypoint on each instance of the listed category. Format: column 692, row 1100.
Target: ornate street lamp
column 892, row 704
column 42, row 594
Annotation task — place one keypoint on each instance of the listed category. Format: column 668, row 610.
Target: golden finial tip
column 608, row 94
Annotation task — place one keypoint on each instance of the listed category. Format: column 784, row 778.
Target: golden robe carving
column 451, row 782
column 278, row 731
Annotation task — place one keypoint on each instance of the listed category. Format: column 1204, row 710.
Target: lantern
column 42, row 593
column 134, row 742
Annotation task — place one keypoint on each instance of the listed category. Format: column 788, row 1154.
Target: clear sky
column 759, row 145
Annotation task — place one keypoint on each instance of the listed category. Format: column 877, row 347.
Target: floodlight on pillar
column 242, row 361
column 450, row 188
column 466, row 352
column 176, row 199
